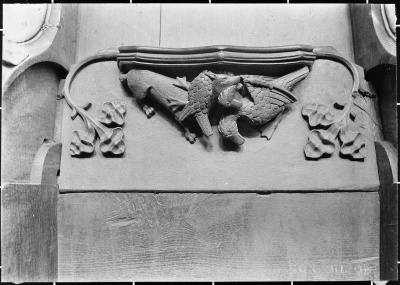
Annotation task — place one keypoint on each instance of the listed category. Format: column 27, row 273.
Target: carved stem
column 322, row 54
column 346, row 112
column 101, row 130
column 105, row 55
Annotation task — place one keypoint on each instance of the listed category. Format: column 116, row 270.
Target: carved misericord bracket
column 254, row 98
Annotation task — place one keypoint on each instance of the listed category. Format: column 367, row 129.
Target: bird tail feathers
column 186, row 112
column 204, row 123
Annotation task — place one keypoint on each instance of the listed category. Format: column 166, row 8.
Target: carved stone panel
column 219, row 118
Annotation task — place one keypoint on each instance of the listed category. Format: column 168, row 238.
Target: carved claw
column 149, row 111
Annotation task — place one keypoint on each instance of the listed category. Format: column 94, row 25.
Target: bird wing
column 188, row 110
column 255, row 85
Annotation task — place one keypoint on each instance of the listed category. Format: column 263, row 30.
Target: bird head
column 223, row 81
column 229, row 97
column 226, row 87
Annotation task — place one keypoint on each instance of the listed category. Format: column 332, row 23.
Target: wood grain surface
column 257, row 25
column 29, row 233
column 385, row 82
column 103, row 26
column 388, row 196
column 374, row 44
column 158, row 157
column 65, row 43
column 29, row 107
column 214, row 237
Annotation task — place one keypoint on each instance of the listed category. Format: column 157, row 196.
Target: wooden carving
column 107, row 129
column 241, row 91
column 256, row 99
column 146, row 85
column 267, row 99
column 111, row 140
column 202, row 94
column 349, row 126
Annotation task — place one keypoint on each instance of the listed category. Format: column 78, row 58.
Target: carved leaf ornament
column 318, row 115
column 322, row 142
column 82, row 142
column 113, row 143
column 107, row 129
column 111, row 140
column 114, row 113
column 353, row 144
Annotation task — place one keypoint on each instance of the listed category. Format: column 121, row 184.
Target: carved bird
column 203, row 91
column 267, row 99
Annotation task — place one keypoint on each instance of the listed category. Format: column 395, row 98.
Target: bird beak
column 237, row 139
column 236, row 103
column 236, row 79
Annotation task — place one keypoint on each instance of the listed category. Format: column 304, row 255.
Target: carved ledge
column 278, row 59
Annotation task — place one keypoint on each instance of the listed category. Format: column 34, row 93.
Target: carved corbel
column 256, row 99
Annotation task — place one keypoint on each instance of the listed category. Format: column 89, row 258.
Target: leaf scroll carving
column 114, row 113
column 111, row 139
column 114, row 143
column 353, row 144
column 318, row 115
column 350, row 126
column 82, row 142
column 321, row 142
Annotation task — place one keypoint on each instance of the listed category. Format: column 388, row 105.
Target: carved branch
column 111, row 139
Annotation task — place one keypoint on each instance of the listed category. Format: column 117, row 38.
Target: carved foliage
column 82, row 142
column 317, row 115
column 114, row 143
column 114, row 113
column 350, row 126
column 111, row 139
column 353, row 144
column 321, row 142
